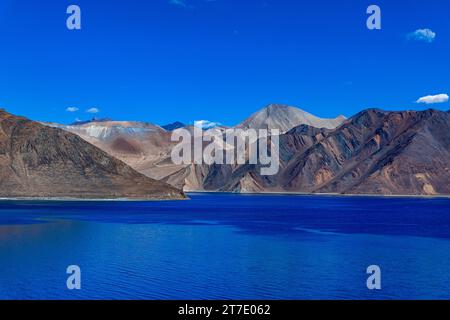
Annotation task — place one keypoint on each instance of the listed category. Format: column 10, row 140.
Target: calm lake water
column 227, row 247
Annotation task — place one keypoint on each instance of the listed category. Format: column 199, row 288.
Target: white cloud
column 93, row 110
column 205, row 124
column 72, row 109
column 179, row 3
column 186, row 3
column 439, row 98
column 426, row 35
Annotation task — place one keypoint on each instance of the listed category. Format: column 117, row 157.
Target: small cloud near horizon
column 206, row 124
column 93, row 110
column 426, row 35
column 432, row 99
column 72, row 109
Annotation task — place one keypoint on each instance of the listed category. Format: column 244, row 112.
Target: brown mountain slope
column 141, row 145
column 407, row 153
column 374, row 152
column 40, row 161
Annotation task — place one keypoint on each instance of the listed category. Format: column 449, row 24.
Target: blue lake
column 225, row 246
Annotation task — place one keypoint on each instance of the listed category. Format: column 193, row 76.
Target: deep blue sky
column 218, row 60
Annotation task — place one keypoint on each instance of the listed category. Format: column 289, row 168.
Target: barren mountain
column 41, row 161
column 285, row 118
column 374, row 152
column 388, row 153
column 139, row 144
column 143, row 146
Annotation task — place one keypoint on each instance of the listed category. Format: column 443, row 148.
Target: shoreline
column 286, row 193
column 63, row 199
column 267, row 193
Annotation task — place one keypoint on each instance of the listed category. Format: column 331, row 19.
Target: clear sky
column 220, row 60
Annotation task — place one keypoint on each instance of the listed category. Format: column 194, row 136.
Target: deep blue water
column 227, row 247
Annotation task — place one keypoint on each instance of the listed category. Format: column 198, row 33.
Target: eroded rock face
column 40, row 161
column 374, row 152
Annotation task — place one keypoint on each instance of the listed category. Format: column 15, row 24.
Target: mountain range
column 38, row 161
column 373, row 152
